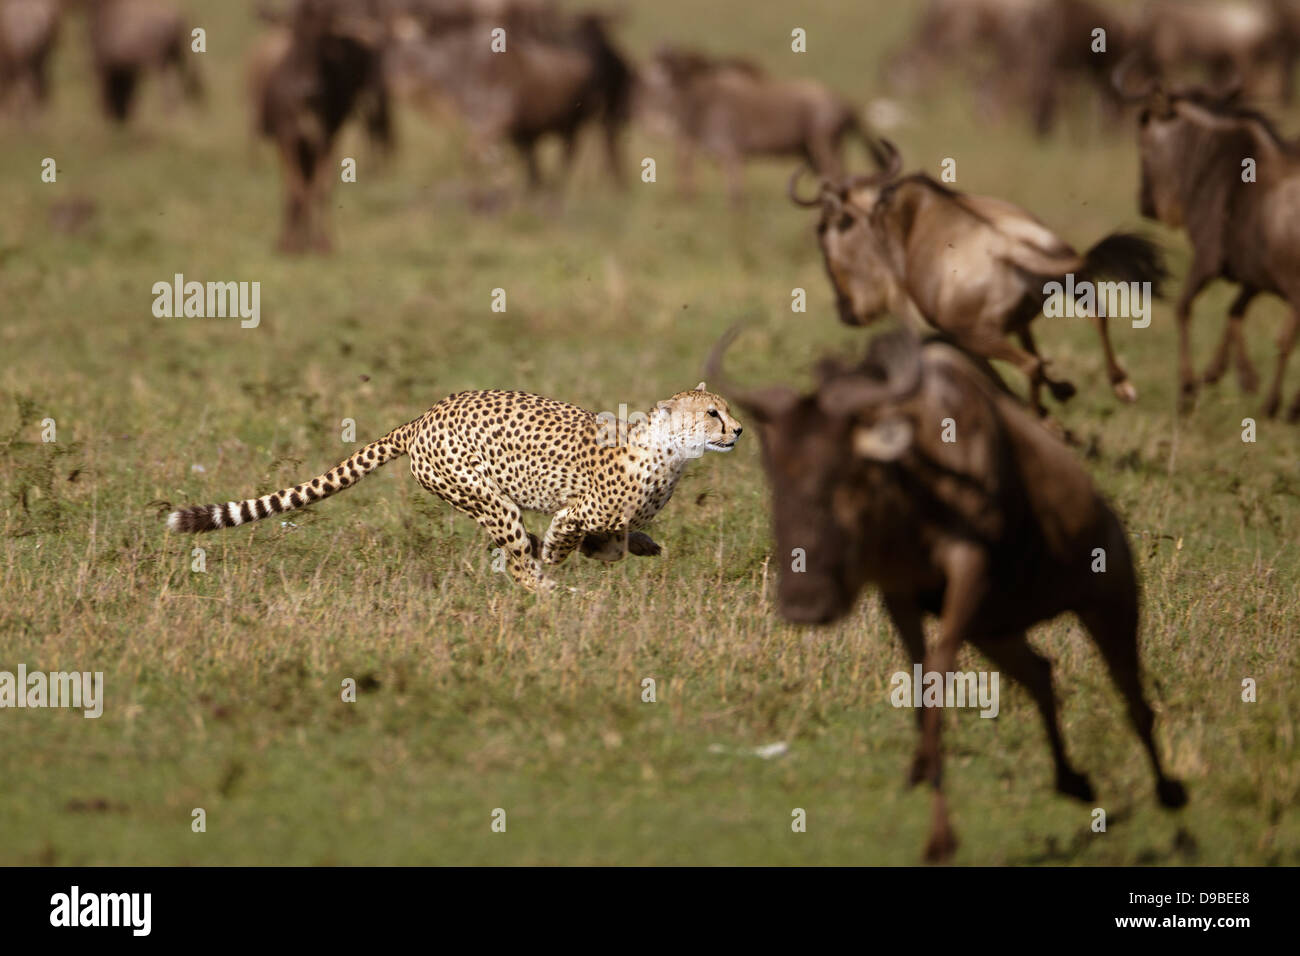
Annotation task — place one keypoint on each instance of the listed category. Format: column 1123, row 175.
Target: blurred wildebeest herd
column 993, row 531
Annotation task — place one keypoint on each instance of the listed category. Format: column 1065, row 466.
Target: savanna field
column 223, row 688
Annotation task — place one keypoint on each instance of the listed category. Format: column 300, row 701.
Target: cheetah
column 493, row 454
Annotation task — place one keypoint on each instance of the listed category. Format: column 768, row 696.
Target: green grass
column 223, row 688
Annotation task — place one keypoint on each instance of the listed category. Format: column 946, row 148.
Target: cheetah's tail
column 343, row 475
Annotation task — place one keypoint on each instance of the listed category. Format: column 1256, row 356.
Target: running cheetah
column 493, row 454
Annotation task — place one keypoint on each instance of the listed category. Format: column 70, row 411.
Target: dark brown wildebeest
column 1233, row 43
column 994, row 532
column 1223, row 174
column 1026, row 51
column 1062, row 46
column 976, row 268
column 131, row 37
column 333, row 63
column 555, row 75
column 981, row 36
column 28, row 29
column 273, row 46
column 730, row 109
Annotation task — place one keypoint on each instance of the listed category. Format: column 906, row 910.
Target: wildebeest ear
column 700, row 387
column 883, row 441
column 768, row 402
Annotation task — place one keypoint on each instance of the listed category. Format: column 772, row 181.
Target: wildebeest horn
column 890, row 161
column 896, row 357
column 792, row 188
column 1119, row 77
column 764, row 403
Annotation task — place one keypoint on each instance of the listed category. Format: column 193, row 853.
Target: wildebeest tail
column 346, row 473
column 1126, row 257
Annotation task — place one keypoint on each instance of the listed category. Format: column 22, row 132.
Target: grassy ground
column 223, row 688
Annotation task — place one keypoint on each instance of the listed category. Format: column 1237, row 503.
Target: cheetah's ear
column 700, row 387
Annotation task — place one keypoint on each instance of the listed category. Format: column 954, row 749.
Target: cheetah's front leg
column 562, row 537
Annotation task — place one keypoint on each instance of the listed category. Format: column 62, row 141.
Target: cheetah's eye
column 714, row 413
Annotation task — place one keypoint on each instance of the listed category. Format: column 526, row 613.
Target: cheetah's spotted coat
column 494, row 454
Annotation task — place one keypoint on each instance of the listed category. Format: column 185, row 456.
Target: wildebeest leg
column 613, row 152
column 1013, row 655
column 1061, row 390
column 293, row 151
column 906, row 615
column 527, row 146
column 733, row 171
column 1030, row 365
column 686, row 165
column 318, row 198
column 1231, row 334
column 1196, row 281
column 1044, row 108
column 569, row 139
column 964, row 564
column 1285, row 343
column 1118, row 377
column 117, row 87
column 1247, row 377
column 1113, row 625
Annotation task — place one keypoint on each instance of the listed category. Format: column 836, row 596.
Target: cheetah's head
column 696, row 421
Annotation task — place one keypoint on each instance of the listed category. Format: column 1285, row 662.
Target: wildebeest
column 1233, row 43
column 28, row 29
column 982, row 36
column 332, row 64
column 993, row 532
column 1224, row 174
column 556, row 75
column 731, row 109
column 131, row 37
column 1026, row 51
column 974, row 267
column 1063, row 45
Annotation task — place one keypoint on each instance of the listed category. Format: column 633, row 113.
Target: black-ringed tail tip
column 494, row 454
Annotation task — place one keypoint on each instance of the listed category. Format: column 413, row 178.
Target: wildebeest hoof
column 642, row 545
column 1062, row 391
column 1172, row 793
column 941, row 846
column 1125, row 391
column 1075, row 785
column 1270, row 407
